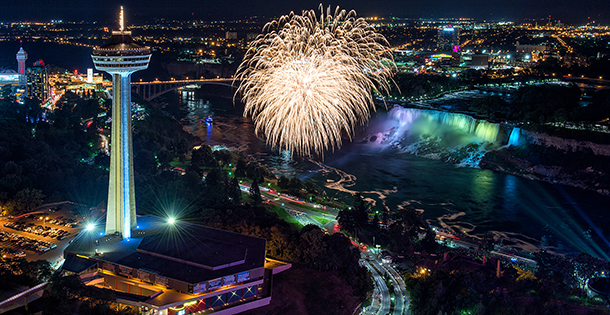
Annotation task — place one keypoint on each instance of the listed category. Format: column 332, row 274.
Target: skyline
column 71, row 10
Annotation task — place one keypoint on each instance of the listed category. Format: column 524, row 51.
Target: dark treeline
column 46, row 159
column 423, row 85
column 545, row 103
column 461, row 283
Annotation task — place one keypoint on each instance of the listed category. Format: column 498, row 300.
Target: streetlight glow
column 90, row 227
column 171, row 220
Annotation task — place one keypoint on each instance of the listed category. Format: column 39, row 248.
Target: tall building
column 120, row 58
column 22, row 56
column 448, row 39
column 38, row 80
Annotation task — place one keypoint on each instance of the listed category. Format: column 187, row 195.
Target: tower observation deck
column 120, row 58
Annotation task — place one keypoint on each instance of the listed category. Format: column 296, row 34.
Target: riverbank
column 556, row 160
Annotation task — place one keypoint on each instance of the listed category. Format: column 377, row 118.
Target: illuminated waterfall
column 483, row 130
column 515, row 134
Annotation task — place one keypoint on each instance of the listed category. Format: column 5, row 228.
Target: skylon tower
column 22, row 56
column 120, row 58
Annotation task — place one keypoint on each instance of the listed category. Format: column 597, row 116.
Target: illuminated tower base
column 121, row 58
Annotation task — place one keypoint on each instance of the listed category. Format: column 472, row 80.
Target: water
column 526, row 214
column 515, row 135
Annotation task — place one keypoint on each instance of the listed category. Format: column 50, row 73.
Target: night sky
column 569, row 11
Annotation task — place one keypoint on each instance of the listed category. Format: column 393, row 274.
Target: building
column 448, row 39
column 231, row 35
column 530, row 48
column 22, row 56
column 175, row 268
column 38, row 81
column 476, row 61
column 121, row 57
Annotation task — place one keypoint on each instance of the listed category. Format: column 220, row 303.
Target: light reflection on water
column 520, row 212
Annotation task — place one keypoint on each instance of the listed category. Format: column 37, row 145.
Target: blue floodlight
column 90, row 227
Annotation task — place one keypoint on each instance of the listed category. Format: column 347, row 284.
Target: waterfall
column 514, row 136
column 483, row 130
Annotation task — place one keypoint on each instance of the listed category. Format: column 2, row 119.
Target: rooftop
column 183, row 251
column 121, row 44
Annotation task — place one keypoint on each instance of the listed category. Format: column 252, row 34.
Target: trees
column 492, row 107
column 22, row 272
column 234, row 191
column 25, row 200
column 314, row 251
column 255, row 193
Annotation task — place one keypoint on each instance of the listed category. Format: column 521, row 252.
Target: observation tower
column 120, row 58
column 22, row 56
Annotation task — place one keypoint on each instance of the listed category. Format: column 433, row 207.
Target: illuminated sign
column 226, row 280
column 213, row 284
column 243, row 276
column 448, row 29
column 200, row 287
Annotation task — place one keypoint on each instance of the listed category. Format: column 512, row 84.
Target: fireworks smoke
column 307, row 80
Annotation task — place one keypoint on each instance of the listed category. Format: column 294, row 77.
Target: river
column 522, row 213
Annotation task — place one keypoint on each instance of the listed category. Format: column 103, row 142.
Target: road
column 381, row 299
column 300, row 213
column 378, row 306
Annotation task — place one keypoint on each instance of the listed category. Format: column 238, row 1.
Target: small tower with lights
column 22, row 56
column 120, row 58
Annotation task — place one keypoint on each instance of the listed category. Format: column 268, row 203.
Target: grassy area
column 286, row 217
column 321, row 220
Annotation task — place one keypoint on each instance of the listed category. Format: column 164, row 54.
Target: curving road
column 380, row 286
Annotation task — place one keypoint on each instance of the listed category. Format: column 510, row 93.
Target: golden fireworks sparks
column 307, row 80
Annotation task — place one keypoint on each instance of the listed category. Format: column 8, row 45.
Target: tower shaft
column 121, row 216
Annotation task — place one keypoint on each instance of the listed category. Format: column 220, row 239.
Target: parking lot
column 41, row 234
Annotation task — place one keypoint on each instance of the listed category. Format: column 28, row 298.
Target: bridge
column 152, row 89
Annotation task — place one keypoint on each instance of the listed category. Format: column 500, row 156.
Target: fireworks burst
column 308, row 80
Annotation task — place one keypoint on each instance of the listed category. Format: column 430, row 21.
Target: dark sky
column 570, row 11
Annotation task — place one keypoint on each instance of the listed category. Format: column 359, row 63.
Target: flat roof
column 183, row 251
column 77, row 264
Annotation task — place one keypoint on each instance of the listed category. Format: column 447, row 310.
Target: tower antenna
column 121, row 21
